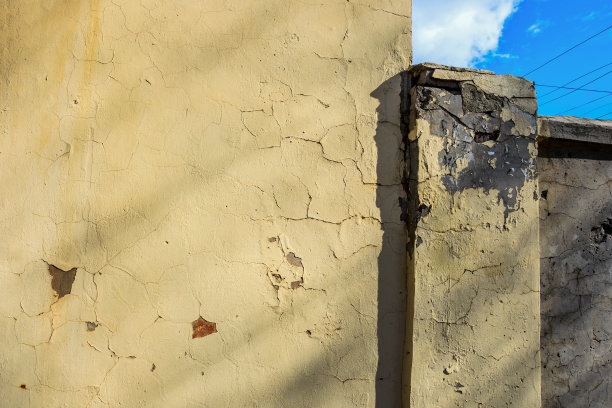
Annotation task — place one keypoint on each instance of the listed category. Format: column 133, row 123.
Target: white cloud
column 458, row 32
column 534, row 29
column 504, row 56
column 537, row 28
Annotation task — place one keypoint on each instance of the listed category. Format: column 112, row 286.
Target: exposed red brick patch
column 202, row 328
column 296, row 284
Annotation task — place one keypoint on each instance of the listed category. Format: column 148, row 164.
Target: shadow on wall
column 120, row 227
column 576, row 260
column 390, row 194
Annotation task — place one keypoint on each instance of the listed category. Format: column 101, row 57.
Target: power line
column 575, row 79
column 599, row 107
column 568, row 50
column 609, row 113
column 577, row 89
column 588, row 103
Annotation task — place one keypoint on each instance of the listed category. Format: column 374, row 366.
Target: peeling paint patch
column 477, row 126
column 61, row 281
column 294, row 260
column 480, row 174
column 91, row 326
column 202, row 328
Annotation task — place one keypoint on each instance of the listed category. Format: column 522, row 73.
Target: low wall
column 575, row 167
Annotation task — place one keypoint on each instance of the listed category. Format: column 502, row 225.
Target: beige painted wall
column 226, row 159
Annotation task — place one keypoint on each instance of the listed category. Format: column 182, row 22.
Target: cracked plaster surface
column 576, row 264
column 212, row 160
column 473, row 257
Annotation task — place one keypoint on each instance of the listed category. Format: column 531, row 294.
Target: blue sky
column 514, row 37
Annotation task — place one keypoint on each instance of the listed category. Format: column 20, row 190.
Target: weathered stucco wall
column 575, row 165
column 472, row 215
column 199, row 203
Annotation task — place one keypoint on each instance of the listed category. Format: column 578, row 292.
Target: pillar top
column 441, row 76
column 417, row 69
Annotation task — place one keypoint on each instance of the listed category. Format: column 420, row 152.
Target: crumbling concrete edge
column 577, row 129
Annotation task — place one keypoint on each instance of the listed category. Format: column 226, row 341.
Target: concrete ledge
column 417, row 69
column 575, row 129
column 508, row 86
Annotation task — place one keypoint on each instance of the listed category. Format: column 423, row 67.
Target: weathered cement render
column 575, row 166
column 199, row 203
column 472, row 215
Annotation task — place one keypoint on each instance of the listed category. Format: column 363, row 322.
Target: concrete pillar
column 472, row 211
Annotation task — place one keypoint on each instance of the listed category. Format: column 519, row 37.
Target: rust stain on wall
column 202, row 328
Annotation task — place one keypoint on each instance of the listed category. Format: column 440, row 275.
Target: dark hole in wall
column 61, row 281
column 482, row 137
column 603, row 232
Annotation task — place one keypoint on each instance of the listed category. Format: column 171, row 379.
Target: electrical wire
column 588, row 103
column 577, row 89
column 599, row 117
column 599, row 107
column 568, row 50
column 575, row 79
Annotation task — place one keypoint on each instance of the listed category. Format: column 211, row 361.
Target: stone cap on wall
column 508, row 86
column 576, row 129
column 416, row 69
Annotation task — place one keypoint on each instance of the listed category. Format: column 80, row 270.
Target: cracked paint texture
column 214, row 160
column 576, row 262
column 473, row 264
